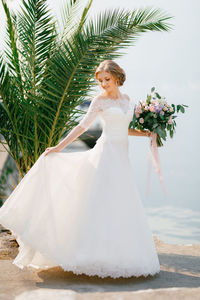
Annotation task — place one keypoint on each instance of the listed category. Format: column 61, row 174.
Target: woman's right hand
column 51, row 149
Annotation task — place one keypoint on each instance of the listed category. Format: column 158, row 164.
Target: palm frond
column 72, row 67
column 36, row 29
column 70, row 16
column 84, row 15
column 47, row 75
column 12, row 52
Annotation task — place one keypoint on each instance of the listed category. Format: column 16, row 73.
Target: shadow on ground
column 176, row 271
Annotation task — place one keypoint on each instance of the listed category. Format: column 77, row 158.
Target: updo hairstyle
column 113, row 68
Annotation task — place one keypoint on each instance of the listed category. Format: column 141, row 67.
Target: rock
column 8, row 244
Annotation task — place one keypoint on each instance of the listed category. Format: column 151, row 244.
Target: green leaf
column 178, row 107
column 158, row 96
column 161, row 132
column 148, row 99
column 134, row 121
column 171, row 132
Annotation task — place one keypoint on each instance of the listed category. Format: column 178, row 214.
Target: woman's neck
column 115, row 94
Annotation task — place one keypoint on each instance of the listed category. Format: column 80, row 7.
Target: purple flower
column 158, row 108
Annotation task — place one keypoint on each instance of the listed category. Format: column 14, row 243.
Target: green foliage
column 45, row 73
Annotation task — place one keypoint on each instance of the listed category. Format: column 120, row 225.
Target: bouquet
column 156, row 115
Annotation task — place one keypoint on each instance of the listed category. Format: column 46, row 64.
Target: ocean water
column 174, row 225
column 175, row 217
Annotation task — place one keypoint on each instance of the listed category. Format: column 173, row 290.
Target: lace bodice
column 98, row 106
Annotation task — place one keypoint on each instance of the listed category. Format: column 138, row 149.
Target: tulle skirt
column 82, row 211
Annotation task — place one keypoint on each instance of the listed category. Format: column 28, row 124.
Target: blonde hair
column 113, row 68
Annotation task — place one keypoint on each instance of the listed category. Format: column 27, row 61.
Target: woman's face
column 106, row 81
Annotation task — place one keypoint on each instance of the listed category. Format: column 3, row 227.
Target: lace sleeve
column 93, row 110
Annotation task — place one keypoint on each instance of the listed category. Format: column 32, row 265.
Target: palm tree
column 46, row 73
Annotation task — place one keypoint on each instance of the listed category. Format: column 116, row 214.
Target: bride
column 82, row 210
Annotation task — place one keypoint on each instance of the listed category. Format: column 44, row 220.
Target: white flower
column 141, row 120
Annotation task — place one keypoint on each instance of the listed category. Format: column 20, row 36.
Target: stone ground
column 179, row 278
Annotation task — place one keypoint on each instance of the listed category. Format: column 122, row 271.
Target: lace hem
column 101, row 272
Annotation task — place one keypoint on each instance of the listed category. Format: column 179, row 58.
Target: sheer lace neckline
column 118, row 99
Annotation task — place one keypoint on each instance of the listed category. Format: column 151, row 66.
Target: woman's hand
column 137, row 132
column 51, row 149
column 148, row 133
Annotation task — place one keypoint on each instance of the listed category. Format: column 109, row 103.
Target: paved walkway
column 179, row 279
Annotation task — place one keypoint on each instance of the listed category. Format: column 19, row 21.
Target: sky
column 169, row 61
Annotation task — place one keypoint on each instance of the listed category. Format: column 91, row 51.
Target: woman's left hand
column 148, row 133
column 51, row 149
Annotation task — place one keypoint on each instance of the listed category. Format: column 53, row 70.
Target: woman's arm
column 137, row 132
column 92, row 112
column 72, row 135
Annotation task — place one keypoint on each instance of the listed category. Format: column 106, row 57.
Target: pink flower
column 162, row 113
column 138, row 110
column 170, row 120
column 152, row 108
column 141, row 120
column 137, row 115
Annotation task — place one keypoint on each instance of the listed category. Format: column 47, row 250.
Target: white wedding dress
column 81, row 210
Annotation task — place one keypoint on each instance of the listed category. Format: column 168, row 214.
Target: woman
column 82, row 210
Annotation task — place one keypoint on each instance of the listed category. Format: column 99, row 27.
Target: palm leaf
column 46, row 74
column 72, row 18
column 73, row 64
column 12, row 53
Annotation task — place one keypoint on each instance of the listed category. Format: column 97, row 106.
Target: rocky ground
column 179, row 278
